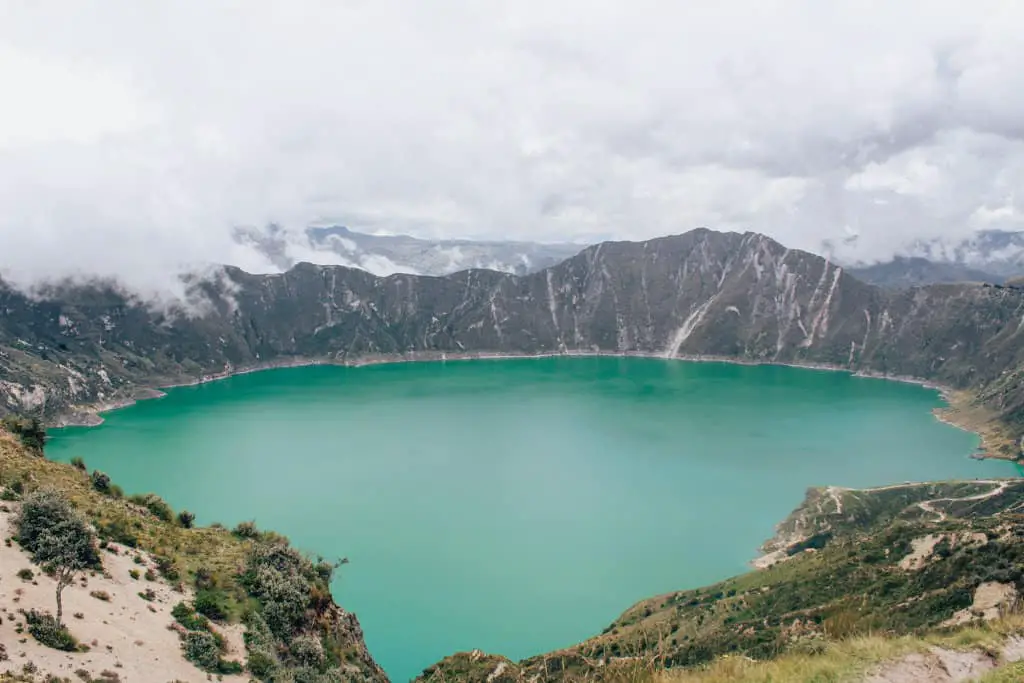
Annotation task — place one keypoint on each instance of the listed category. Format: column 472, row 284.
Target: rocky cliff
column 741, row 296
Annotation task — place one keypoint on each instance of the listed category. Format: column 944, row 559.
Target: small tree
column 30, row 431
column 58, row 538
column 186, row 519
column 100, row 481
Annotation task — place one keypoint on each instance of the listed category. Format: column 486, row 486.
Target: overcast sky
column 134, row 135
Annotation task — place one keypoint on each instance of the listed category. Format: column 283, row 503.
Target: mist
column 135, row 138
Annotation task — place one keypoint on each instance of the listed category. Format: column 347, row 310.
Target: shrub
column 229, row 667
column 78, row 463
column 213, row 604
column 48, row 631
column 150, row 575
column 185, row 615
column 204, row 578
column 117, row 530
column 281, row 578
column 186, row 519
column 25, row 574
column 116, row 491
column 246, row 530
column 155, row 504
column 166, row 567
column 307, row 650
column 100, row 481
column 30, row 431
column 148, row 595
column 101, row 595
column 134, row 573
column 261, row 664
column 201, row 649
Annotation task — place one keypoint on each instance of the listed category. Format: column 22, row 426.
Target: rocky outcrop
column 741, row 296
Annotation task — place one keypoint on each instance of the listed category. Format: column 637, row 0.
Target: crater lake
column 518, row 506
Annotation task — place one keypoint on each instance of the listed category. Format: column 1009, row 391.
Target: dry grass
column 835, row 662
column 1012, row 673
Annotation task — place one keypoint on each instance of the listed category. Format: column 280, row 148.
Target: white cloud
column 135, row 136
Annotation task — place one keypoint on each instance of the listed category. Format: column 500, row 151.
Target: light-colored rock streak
column 553, row 309
column 494, row 317
column 867, row 333
column 689, row 325
column 820, row 322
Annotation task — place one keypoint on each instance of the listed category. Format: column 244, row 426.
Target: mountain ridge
column 737, row 296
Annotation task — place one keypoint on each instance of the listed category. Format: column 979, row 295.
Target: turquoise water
column 519, row 506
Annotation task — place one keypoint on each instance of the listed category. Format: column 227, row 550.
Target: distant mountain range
column 914, row 271
column 389, row 254
column 990, row 256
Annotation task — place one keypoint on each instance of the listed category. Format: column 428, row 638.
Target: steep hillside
column 703, row 293
column 916, row 559
column 163, row 589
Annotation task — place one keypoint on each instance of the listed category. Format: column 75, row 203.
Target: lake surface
column 519, row 506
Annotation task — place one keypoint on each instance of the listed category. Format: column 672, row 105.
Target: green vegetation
column 57, row 537
column 213, row 604
column 210, row 558
column 49, row 631
column 1013, row 673
column 185, row 615
column 204, row 649
column 155, row 504
column 100, row 481
column 29, row 431
column 186, row 519
column 293, row 595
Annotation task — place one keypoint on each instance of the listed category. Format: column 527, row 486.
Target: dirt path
column 928, row 505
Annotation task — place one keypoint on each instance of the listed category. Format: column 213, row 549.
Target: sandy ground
column 128, row 635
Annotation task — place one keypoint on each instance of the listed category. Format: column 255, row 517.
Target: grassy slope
column 220, row 553
column 848, row 586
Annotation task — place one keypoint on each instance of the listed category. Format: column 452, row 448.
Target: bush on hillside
column 246, row 530
column 47, row 630
column 185, row 615
column 205, row 579
column 201, row 649
column 186, row 519
column 100, row 481
column 118, row 531
column 307, row 650
column 155, row 504
column 213, row 604
column 30, row 431
column 167, row 568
